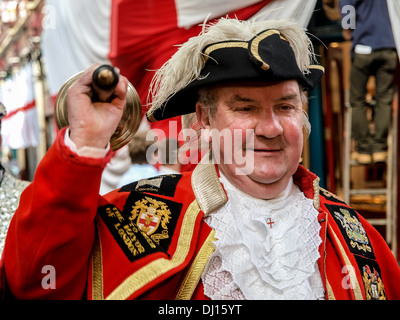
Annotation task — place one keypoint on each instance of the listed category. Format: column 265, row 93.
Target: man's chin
column 266, row 178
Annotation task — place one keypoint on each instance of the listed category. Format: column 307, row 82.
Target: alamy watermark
column 348, row 17
column 349, row 272
column 227, row 146
column 49, row 20
column 49, row 280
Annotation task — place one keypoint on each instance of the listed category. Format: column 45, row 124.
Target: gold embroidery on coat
column 149, row 214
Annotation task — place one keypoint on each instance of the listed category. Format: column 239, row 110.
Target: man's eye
column 286, row 107
column 244, row 109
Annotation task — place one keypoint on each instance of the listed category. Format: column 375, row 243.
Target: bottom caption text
column 204, row 309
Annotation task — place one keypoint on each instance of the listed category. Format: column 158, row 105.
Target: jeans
column 382, row 65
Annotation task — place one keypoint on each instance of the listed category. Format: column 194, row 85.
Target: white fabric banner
column 192, row 12
column 298, row 10
column 20, row 128
column 75, row 35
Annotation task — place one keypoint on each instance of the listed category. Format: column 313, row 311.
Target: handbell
column 105, row 78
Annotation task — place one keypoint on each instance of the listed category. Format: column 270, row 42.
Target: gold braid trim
column 206, row 186
column 97, row 269
column 331, row 295
column 224, row 45
column 193, row 276
column 354, row 285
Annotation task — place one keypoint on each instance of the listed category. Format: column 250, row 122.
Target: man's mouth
column 266, row 152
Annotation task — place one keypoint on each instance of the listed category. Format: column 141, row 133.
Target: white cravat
column 266, row 249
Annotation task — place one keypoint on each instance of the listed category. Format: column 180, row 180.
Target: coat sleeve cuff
column 85, row 155
column 89, row 152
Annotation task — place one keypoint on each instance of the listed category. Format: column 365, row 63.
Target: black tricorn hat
column 267, row 57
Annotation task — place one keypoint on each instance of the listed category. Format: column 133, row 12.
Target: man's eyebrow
column 239, row 98
column 289, row 97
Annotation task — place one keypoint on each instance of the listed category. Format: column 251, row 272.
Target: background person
column 140, row 167
column 373, row 53
column 167, row 153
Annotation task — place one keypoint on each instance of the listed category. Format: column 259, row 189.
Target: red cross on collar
column 270, row 222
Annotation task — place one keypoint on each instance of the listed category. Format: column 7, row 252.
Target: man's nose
column 268, row 125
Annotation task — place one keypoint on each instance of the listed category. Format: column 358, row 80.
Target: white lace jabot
column 266, row 249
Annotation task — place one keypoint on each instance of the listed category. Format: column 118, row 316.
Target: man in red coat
column 248, row 222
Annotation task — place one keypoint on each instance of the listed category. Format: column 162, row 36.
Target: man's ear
column 202, row 115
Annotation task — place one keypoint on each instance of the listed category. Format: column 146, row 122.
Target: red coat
column 148, row 240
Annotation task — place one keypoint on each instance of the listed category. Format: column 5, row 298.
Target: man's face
column 273, row 112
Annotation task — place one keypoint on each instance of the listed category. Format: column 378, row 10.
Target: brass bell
column 105, row 76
